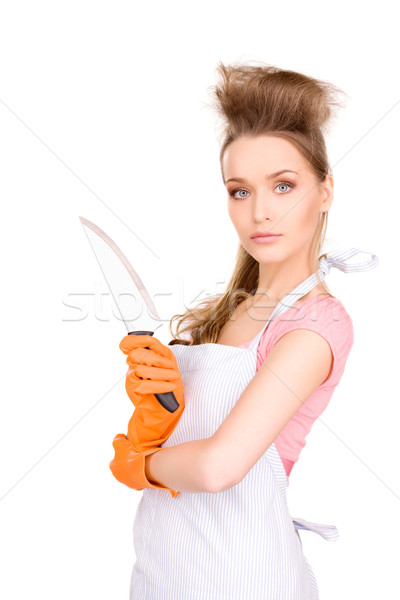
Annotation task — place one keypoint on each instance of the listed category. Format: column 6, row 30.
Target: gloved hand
column 151, row 371
column 128, row 466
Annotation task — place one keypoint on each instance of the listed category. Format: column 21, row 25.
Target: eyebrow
column 241, row 180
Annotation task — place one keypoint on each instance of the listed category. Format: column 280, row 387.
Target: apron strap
column 328, row 532
column 339, row 260
column 336, row 259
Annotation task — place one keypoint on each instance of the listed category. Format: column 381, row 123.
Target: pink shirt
column 328, row 317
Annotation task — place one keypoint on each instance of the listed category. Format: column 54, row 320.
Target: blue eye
column 290, row 185
column 238, row 190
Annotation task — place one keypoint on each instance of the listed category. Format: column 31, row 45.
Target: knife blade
column 116, row 268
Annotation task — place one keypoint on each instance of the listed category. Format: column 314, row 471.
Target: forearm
column 182, row 467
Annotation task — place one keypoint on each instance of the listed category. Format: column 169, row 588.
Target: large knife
column 115, row 266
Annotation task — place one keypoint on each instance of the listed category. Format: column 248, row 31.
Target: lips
column 264, row 234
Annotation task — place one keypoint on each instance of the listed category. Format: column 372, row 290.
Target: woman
column 224, row 531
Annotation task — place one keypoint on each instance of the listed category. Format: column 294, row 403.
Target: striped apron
column 241, row 543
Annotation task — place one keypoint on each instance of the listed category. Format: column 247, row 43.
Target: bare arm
column 299, row 362
column 181, row 467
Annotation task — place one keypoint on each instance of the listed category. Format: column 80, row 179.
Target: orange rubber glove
column 128, row 466
column 151, row 424
column 152, row 370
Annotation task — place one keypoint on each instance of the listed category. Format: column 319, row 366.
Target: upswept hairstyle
column 256, row 100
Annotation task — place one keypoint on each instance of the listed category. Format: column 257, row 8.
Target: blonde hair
column 258, row 100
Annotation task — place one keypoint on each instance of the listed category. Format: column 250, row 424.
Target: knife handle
column 166, row 399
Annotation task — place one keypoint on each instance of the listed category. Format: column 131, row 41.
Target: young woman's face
column 287, row 203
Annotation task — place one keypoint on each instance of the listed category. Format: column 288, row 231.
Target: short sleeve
column 326, row 316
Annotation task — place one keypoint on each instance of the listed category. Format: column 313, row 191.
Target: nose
column 262, row 206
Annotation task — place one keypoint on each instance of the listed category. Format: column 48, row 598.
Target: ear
column 327, row 192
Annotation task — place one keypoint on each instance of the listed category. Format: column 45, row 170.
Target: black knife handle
column 166, row 399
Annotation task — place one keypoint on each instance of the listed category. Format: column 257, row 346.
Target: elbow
column 214, row 484
column 218, row 474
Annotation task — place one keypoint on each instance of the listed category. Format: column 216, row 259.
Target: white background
column 103, row 114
